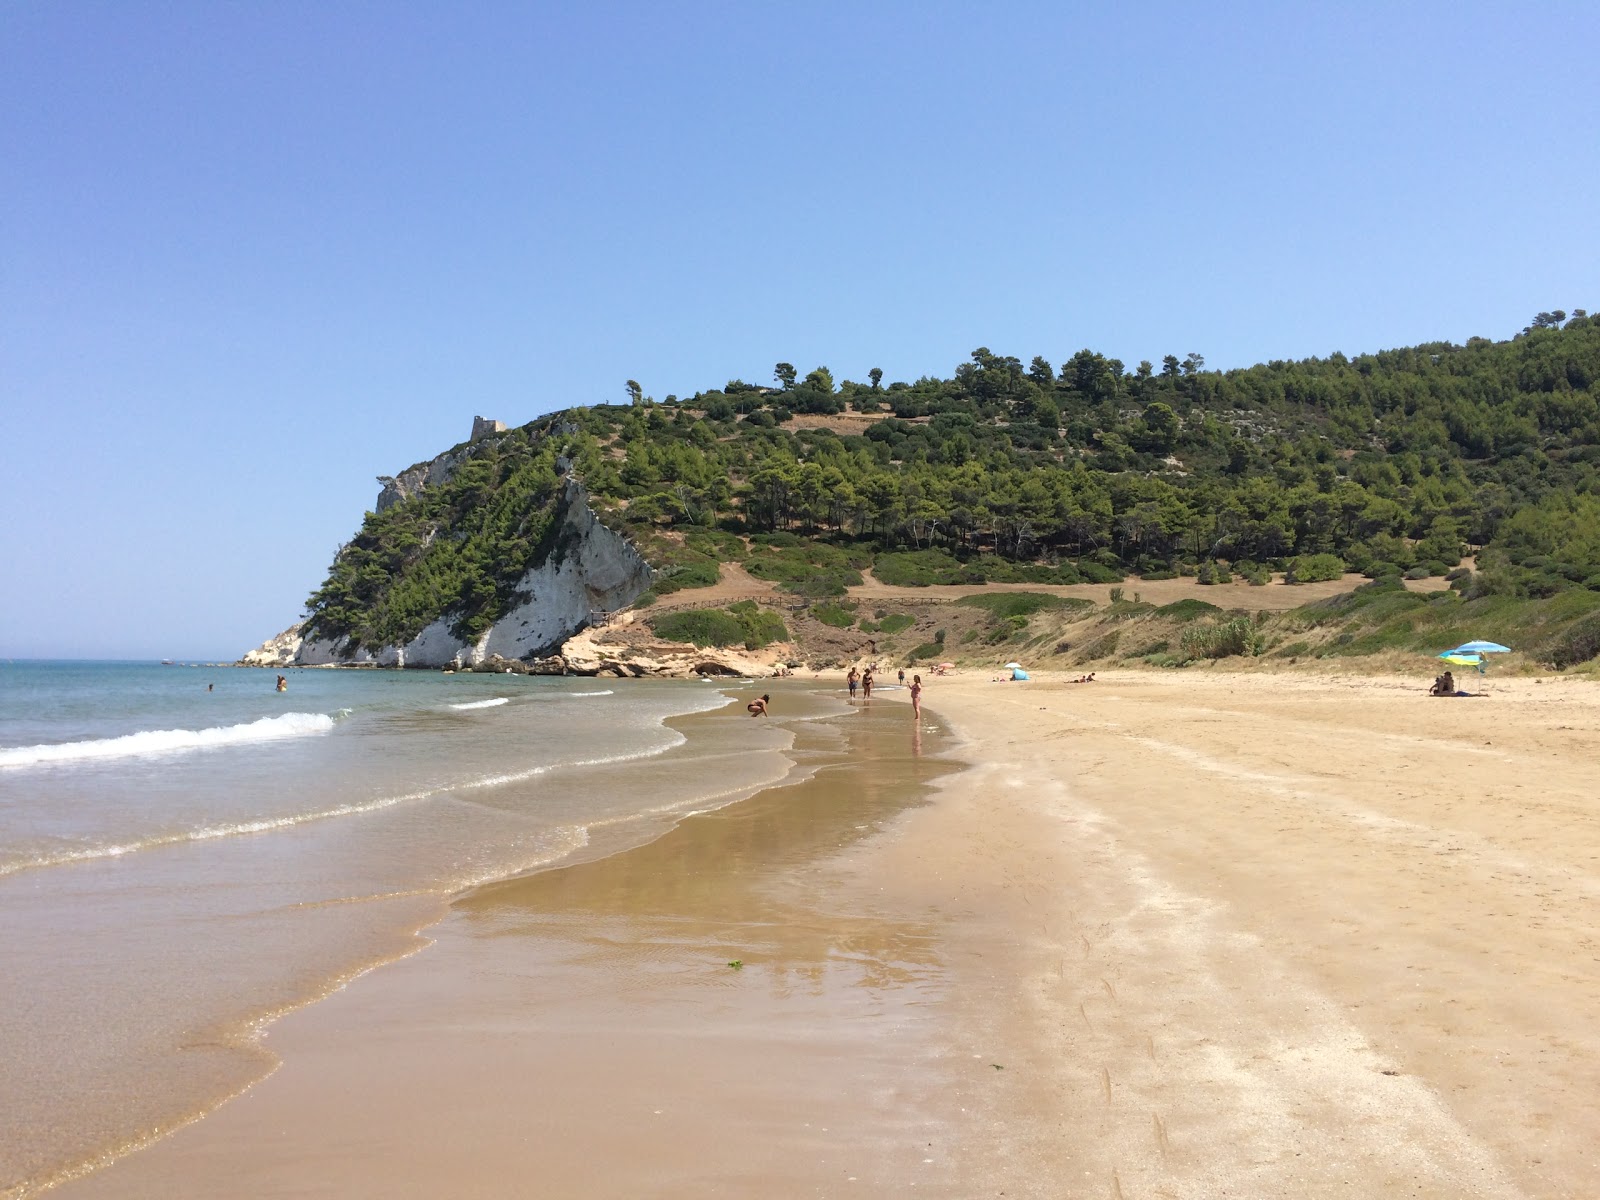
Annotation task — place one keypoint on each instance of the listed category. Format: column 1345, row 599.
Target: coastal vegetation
column 1389, row 464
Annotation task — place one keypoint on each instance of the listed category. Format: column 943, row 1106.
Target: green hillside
column 1395, row 462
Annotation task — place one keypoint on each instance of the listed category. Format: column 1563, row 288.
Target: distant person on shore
column 866, row 684
column 853, row 678
column 758, row 707
column 902, row 677
column 283, row 684
column 916, row 695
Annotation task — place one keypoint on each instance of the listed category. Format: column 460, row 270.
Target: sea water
column 186, row 852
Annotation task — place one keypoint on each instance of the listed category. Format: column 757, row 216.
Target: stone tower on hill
column 483, row 427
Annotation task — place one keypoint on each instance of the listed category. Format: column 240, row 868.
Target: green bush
column 1235, row 636
column 917, row 568
column 1020, row 604
column 1093, row 572
column 744, row 623
column 1579, row 644
column 896, row 622
column 840, row 616
column 677, row 577
column 646, row 599
column 933, row 650
column 1314, row 568
column 700, row 627
column 1187, row 610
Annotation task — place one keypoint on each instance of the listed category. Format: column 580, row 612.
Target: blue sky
column 252, row 256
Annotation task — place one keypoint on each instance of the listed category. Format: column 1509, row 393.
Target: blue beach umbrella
column 1463, row 660
column 1480, row 648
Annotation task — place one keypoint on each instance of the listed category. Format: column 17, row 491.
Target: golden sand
column 1184, row 934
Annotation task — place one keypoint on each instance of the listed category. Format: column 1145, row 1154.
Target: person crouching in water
column 758, row 708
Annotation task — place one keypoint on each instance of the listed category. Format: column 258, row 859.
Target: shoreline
column 755, row 851
column 1197, row 934
column 241, row 1043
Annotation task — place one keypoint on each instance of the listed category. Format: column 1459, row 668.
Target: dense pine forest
column 1392, row 463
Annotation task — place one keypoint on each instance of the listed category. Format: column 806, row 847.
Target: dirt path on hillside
column 738, row 584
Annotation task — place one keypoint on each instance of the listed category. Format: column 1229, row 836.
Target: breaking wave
column 168, row 741
column 484, row 703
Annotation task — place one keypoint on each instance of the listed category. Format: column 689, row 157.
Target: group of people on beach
column 854, row 679
column 862, row 679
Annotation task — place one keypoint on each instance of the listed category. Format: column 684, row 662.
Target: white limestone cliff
column 590, row 568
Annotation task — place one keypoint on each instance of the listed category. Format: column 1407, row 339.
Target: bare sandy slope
column 1252, row 936
column 738, row 584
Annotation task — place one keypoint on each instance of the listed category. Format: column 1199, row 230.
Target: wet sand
column 1172, row 935
column 581, row 1032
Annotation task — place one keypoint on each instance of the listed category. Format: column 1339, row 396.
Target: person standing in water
column 902, row 677
column 916, row 696
column 866, row 684
column 283, row 684
column 852, row 679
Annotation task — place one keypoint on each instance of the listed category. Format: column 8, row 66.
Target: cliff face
column 589, row 567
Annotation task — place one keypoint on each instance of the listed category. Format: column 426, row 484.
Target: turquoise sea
column 186, row 853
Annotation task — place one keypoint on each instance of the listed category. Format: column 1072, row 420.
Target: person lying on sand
column 758, row 708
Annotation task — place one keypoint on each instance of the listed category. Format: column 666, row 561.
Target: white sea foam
column 169, row 741
column 605, row 693
column 63, row 857
column 484, row 703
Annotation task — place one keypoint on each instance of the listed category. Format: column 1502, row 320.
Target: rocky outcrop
column 590, row 567
column 589, row 653
column 276, row 652
column 429, row 474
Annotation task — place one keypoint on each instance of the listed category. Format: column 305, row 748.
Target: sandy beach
column 1184, row 934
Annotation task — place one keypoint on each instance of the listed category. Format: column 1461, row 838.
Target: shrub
column 1419, row 573
column 646, row 600
column 926, row 650
column 700, row 627
column 896, row 622
column 1579, row 644
column 744, row 623
column 840, row 616
column 1314, row 568
column 1019, row 604
column 1094, row 572
column 1206, row 574
column 677, row 576
column 1187, row 610
column 918, row 568
column 1223, row 640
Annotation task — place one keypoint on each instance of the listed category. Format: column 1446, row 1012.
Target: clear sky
column 254, row 255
